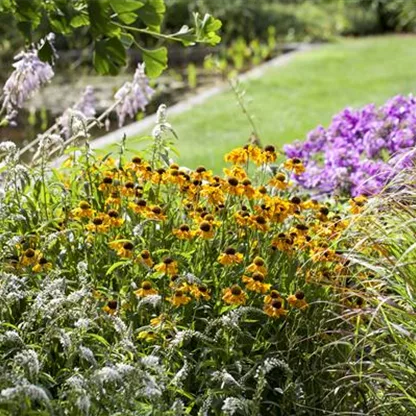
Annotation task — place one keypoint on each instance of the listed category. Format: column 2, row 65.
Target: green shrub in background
column 300, row 20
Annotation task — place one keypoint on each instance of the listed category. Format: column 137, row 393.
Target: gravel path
column 197, row 99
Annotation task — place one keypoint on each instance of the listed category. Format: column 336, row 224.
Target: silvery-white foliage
column 25, row 390
column 12, row 288
column 28, row 360
column 87, row 355
column 152, row 300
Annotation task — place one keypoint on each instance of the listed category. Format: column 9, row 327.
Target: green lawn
column 289, row 101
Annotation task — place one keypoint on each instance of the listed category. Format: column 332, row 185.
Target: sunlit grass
column 289, row 101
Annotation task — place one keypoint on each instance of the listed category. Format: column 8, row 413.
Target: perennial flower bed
column 206, row 286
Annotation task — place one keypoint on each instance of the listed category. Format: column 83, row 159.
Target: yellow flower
column 229, row 257
column 258, row 265
column 259, row 222
column 247, row 189
column 283, row 243
column 146, row 289
column 107, row 184
column 114, row 218
column 275, row 309
column 184, row 232
column 98, row 224
column 42, row 265
column 147, row 336
column 272, row 296
column 279, row 181
column 83, row 210
column 298, row 300
column 256, row 283
column 159, row 320
column 139, row 206
column 201, row 174
column 200, row 292
column 155, row 213
column 168, row 266
column 237, row 156
column 124, row 248
column 179, row 298
column 113, row 199
column 206, row 230
column 357, row 204
column 29, row 257
column 111, row 307
column 234, row 295
column 145, row 258
column 242, row 218
column 295, row 165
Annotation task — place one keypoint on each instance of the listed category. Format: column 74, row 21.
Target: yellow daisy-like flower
column 275, row 309
column 357, row 204
column 111, row 307
column 279, row 181
column 42, row 265
column 107, row 184
column 234, row 295
column 258, row 265
column 146, row 289
column 147, row 336
column 259, row 222
column 242, row 218
column 206, row 230
column 298, row 300
column 295, row 165
column 145, row 258
column 179, row 298
column 83, row 210
column 200, row 292
column 184, row 232
column 124, row 249
column 114, row 219
column 98, row 224
column 256, row 283
column 230, row 257
column 159, row 320
column 113, row 199
column 272, row 296
column 283, row 242
column 168, row 266
column 155, row 213
column 139, row 206
column 29, row 257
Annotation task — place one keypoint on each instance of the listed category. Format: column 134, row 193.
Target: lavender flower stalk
column 133, row 96
column 29, row 75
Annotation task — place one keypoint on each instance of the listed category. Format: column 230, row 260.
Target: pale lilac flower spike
column 133, row 96
column 29, row 75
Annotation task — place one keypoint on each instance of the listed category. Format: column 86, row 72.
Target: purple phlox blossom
column 30, row 73
column 360, row 151
column 133, row 96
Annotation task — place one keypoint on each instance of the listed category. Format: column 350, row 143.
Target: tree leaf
column 156, row 61
column 80, row 20
column 109, row 56
column 152, row 13
column 99, row 12
column 125, row 9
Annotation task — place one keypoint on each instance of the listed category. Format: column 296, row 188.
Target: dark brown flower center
column 258, row 261
column 107, row 180
column 84, row 205
column 277, row 304
column 205, row 226
column 112, row 213
column 230, row 251
column 232, row 181
column 299, row 295
column 146, row 285
column 260, row 220
column 258, row 277
column 112, row 304
column 168, row 260
column 236, row 290
column 145, row 254
column 184, row 227
column 128, row 245
column 29, row 253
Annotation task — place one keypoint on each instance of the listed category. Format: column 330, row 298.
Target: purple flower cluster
column 29, row 74
column 360, row 151
column 133, row 96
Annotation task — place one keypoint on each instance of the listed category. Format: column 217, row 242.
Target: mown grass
column 289, row 101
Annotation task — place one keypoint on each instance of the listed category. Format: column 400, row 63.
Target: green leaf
column 206, row 29
column 125, row 9
column 116, row 266
column 152, row 13
column 109, row 56
column 99, row 12
column 46, row 52
column 127, row 40
column 156, row 61
column 80, row 20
